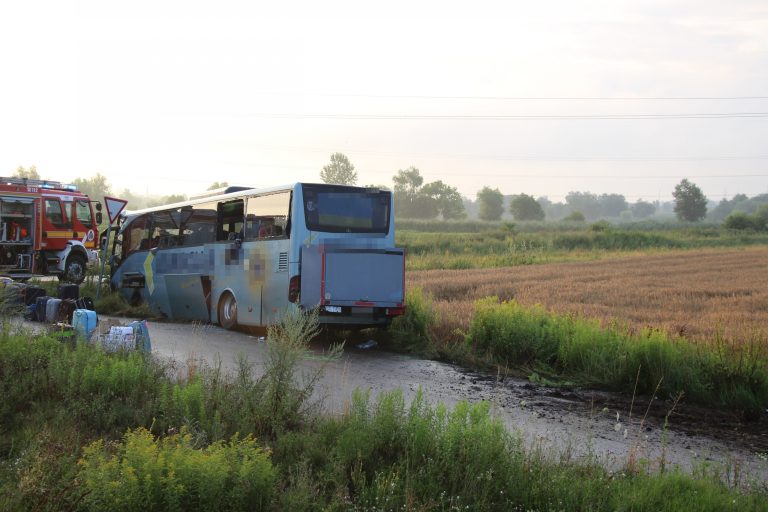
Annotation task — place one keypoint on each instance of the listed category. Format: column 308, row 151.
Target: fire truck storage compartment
column 352, row 277
column 16, row 232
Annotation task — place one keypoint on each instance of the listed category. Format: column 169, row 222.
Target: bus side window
column 165, row 230
column 231, row 216
column 198, row 224
column 267, row 216
column 135, row 236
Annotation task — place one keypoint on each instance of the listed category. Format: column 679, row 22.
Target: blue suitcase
column 84, row 322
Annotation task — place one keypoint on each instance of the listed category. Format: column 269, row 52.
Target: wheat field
column 695, row 293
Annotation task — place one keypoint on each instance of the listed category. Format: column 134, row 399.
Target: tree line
column 416, row 200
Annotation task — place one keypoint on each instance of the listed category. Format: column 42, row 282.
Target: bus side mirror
column 98, row 217
column 97, row 205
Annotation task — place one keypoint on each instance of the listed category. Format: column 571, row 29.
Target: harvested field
column 696, row 293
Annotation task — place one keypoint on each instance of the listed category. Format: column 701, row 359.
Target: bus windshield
column 339, row 209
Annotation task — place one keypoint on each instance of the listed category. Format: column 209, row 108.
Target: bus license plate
column 333, row 309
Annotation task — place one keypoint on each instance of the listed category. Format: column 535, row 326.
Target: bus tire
column 228, row 311
column 74, row 269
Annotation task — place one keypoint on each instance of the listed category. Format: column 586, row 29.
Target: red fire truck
column 46, row 228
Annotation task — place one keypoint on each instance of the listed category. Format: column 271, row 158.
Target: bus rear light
column 395, row 311
column 294, row 289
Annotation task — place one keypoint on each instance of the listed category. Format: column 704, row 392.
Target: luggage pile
column 70, row 313
column 68, row 309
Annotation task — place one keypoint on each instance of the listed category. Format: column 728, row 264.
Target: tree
column 448, row 200
column 690, row 202
column 584, row 202
column 552, row 210
column 491, row 203
column 96, row 186
column 611, row 205
column 407, row 181
column 218, row 184
column 340, row 171
column 762, row 214
column 135, row 201
column 642, row 209
column 410, row 201
column 525, row 207
column 30, row 173
column 170, row 199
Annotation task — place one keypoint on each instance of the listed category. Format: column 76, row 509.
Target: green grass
column 616, row 359
column 81, row 429
column 485, row 248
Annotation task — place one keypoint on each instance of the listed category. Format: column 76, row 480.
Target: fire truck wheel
column 228, row 311
column 74, row 270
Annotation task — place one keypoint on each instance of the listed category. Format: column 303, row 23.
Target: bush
column 741, row 221
column 173, row 474
column 413, row 330
column 575, row 216
column 611, row 357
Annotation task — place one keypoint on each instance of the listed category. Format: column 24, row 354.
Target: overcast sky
column 167, row 97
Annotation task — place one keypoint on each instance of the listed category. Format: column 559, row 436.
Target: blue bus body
column 245, row 257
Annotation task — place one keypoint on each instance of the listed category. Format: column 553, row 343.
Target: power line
column 599, row 117
column 524, row 98
column 587, row 176
column 524, row 158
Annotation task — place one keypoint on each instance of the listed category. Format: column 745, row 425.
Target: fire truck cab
column 46, row 228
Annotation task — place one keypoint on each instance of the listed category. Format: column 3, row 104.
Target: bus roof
column 230, row 195
column 219, row 197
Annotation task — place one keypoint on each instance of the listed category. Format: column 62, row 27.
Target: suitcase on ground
column 32, row 293
column 52, row 310
column 84, row 322
column 69, row 291
column 66, row 309
column 40, row 305
column 85, row 303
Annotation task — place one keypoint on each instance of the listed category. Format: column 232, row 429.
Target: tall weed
column 171, row 473
column 610, row 357
column 413, row 330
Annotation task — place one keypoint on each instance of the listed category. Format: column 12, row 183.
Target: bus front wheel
column 228, row 311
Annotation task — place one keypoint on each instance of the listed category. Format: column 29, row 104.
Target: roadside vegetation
column 668, row 325
column 87, row 430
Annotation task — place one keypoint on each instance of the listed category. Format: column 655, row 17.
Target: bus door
column 266, row 237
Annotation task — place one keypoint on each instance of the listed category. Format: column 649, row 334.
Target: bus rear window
column 338, row 209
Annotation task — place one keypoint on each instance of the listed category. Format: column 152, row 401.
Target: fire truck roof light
column 46, row 186
column 71, row 188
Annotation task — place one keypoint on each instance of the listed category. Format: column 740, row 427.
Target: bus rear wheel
column 228, row 311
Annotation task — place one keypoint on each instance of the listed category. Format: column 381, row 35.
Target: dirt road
column 568, row 423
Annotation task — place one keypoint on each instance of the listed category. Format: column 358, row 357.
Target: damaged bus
column 243, row 256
